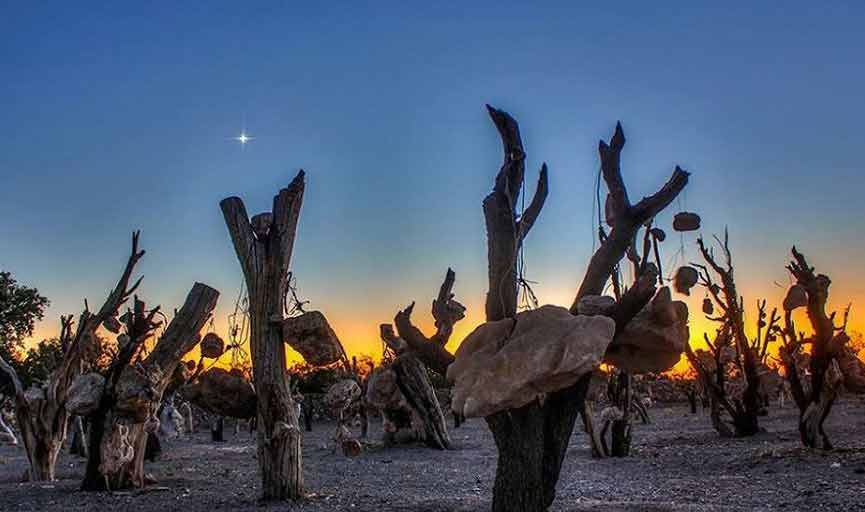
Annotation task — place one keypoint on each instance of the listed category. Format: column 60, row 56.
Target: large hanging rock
column 84, row 394
column 313, row 338
column 686, row 221
column 685, row 279
column 212, row 346
column 796, row 297
column 504, row 365
column 653, row 341
column 222, row 393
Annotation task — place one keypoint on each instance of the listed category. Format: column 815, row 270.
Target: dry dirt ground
column 678, row 464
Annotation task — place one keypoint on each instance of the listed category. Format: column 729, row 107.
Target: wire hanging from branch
column 293, row 304
column 527, row 299
column 238, row 328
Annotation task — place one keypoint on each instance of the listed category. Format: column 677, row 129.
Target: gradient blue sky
column 118, row 116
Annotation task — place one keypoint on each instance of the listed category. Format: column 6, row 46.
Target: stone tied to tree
column 223, row 393
column 532, row 439
column 508, row 363
column 41, row 410
column 264, row 245
column 132, row 394
column 311, row 335
column 830, row 363
column 653, row 341
column 731, row 345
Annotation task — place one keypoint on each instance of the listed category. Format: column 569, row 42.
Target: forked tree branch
column 627, row 219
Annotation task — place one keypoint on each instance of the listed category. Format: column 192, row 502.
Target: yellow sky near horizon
column 359, row 334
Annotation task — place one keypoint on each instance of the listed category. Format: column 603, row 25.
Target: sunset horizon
column 437, row 257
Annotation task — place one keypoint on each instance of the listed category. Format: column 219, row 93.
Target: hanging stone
column 708, row 306
column 311, row 335
column 686, row 221
column 796, row 297
column 223, row 393
column 212, row 346
column 658, row 234
column 685, row 279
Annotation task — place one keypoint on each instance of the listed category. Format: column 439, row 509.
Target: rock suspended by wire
column 212, row 346
column 686, row 278
column 311, row 335
column 686, row 221
column 653, row 341
column 796, row 297
column 708, row 306
column 222, row 392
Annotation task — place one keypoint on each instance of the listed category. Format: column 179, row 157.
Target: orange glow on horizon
column 360, row 335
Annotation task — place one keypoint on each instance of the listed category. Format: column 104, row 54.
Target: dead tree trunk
column 726, row 297
column 827, row 343
column 710, row 367
column 414, row 383
column 123, row 413
column 41, row 411
column 620, row 442
column 414, row 349
column 264, row 245
column 532, row 440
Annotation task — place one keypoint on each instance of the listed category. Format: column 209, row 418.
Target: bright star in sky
column 243, row 138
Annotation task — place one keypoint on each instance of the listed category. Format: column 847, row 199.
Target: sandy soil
column 678, row 464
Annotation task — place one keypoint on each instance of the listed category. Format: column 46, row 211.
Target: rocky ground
column 678, row 464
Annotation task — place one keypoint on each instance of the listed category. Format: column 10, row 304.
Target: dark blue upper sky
column 119, row 116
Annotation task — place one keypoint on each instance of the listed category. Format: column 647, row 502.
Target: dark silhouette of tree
column 20, row 308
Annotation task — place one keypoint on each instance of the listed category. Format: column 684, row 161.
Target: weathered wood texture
column 415, row 385
column 149, row 379
column 41, row 411
column 532, row 440
column 745, row 411
column 416, row 352
column 264, row 246
column 827, row 344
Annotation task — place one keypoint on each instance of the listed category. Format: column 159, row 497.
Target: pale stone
column 223, row 393
column 653, row 341
column 85, row 393
column 796, row 297
column 509, row 363
column 313, row 338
